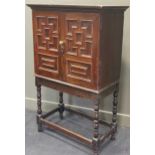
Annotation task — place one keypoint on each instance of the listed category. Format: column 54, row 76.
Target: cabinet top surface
column 79, row 3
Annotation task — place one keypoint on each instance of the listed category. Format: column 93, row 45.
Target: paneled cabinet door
column 81, row 38
column 75, row 60
column 46, row 31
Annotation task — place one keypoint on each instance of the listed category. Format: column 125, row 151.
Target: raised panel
column 46, row 31
column 49, row 64
column 79, row 70
column 80, row 33
column 76, row 62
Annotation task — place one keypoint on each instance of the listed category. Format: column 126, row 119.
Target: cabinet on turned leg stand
column 77, row 50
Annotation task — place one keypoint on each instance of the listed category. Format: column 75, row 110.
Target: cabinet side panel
column 111, row 48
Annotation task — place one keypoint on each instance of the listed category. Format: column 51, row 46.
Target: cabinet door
column 81, row 38
column 46, row 31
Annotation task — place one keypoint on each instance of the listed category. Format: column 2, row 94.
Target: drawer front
column 81, row 36
column 46, row 31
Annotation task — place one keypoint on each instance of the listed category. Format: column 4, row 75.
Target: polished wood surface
column 77, row 50
column 66, row 46
column 111, row 48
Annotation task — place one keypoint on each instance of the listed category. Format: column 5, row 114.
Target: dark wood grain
column 77, row 57
column 67, row 89
column 111, row 48
column 92, row 47
column 77, row 50
column 73, row 8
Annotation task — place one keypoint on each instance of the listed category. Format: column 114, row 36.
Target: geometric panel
column 46, row 33
column 79, row 37
column 48, row 63
column 79, row 70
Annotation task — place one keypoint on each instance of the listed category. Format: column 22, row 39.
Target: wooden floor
column 51, row 143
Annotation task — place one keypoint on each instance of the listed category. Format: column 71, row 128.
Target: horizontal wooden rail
column 50, row 112
column 59, row 128
column 86, row 116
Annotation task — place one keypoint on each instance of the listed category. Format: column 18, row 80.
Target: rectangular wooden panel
column 46, row 31
column 48, row 63
column 81, row 37
column 111, row 48
column 79, row 70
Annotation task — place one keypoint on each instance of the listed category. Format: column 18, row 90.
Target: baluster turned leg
column 96, row 128
column 114, row 117
column 39, row 111
column 61, row 105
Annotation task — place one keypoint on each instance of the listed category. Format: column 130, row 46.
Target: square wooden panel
column 81, row 34
column 48, row 65
column 46, row 31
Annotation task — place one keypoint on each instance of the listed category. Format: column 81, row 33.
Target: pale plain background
column 12, row 88
column 51, row 97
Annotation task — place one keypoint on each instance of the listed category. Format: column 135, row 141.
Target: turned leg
column 39, row 111
column 96, row 128
column 114, row 117
column 61, row 105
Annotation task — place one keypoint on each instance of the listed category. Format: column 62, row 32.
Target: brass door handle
column 62, row 46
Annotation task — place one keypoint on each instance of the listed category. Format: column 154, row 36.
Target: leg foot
column 40, row 128
column 95, row 146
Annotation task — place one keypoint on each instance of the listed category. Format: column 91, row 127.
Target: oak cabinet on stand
column 77, row 50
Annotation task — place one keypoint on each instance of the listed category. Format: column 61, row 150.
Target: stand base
column 50, row 125
column 97, row 139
